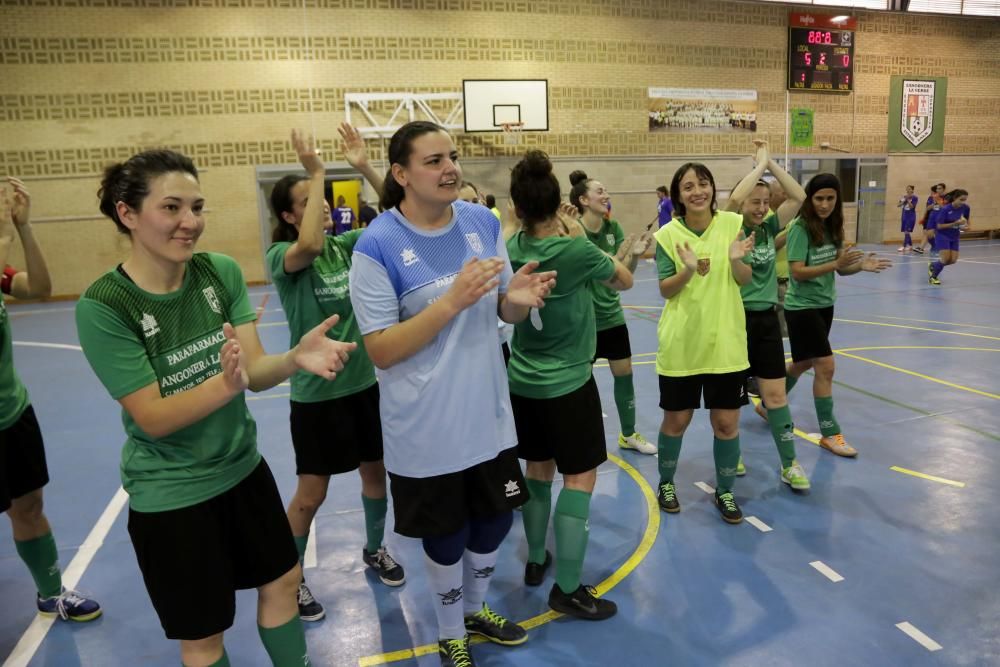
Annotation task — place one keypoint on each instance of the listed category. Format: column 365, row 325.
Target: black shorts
column 335, row 436
column 613, row 344
column 809, row 332
column 22, row 459
column 723, row 391
column 764, row 346
column 442, row 504
column 194, row 559
column 568, row 428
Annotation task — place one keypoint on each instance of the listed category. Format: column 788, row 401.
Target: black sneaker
column 534, row 573
column 752, row 387
column 730, row 511
column 455, row 653
column 309, row 608
column 495, row 627
column 581, row 603
column 389, row 571
column 666, row 495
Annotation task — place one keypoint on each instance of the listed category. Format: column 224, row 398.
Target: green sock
column 535, row 515
column 668, row 451
column 790, row 381
column 824, row 412
column 300, row 544
column 375, row 509
column 286, row 644
column 221, row 662
column 625, row 400
column 42, row 559
column 727, row 457
column 571, row 529
column 780, row 421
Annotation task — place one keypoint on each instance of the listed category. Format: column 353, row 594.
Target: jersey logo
column 704, row 265
column 213, row 300
column 451, row 597
column 409, row 257
column 150, row 327
column 511, row 489
column 536, row 319
column 474, row 242
column 610, row 238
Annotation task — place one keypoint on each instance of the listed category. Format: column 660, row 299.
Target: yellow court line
column 904, row 326
column 932, row 478
column 644, row 307
column 645, row 544
column 918, row 347
column 953, row 385
column 954, row 324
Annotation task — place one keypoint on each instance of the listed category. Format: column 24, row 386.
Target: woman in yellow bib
column 701, row 262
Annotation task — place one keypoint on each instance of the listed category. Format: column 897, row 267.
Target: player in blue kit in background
column 951, row 219
column 908, row 203
column 343, row 217
column 429, row 278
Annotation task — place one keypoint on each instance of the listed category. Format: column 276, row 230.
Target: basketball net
column 512, row 133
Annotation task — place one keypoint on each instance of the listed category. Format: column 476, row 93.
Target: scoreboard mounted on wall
column 821, row 53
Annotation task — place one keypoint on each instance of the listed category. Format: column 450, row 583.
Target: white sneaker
column 636, row 442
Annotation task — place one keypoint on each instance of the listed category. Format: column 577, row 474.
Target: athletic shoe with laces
column 741, row 469
column 795, row 477
column 752, row 387
column 636, row 442
column 919, row 251
column 69, row 605
column 934, row 281
column 728, row 508
column 666, row 496
column 581, row 603
column 495, row 627
column 309, row 608
column 534, row 573
column 455, row 653
column 837, row 445
column 388, row 570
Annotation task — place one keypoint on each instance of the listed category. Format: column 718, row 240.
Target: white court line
column 271, row 324
column 309, row 559
column 826, row 571
column 919, row 637
column 758, row 524
column 54, row 346
column 35, row 634
column 704, row 487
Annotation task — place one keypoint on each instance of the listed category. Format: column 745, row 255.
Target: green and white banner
column 916, row 113
column 801, row 128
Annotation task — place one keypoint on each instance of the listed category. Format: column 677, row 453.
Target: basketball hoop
column 512, row 133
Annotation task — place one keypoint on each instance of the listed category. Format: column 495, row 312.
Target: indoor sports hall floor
column 909, row 530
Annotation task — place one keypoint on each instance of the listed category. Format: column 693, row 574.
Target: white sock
column 446, row 587
column 476, row 576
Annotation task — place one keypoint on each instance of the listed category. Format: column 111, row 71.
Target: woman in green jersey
column 172, row 336
column 557, row 410
column 700, row 258
column 335, row 425
column 765, row 351
column 591, row 199
column 815, row 251
column 23, row 470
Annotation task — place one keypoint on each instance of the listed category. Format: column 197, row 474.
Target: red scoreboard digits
column 821, row 53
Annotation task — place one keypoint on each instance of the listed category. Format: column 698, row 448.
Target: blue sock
column 936, row 268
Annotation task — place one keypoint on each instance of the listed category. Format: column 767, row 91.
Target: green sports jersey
column 761, row 293
column 553, row 349
column 13, row 395
column 309, row 297
column 818, row 292
column 132, row 338
column 607, row 301
column 702, row 328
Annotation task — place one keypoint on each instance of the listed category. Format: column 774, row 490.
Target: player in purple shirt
column 665, row 207
column 908, row 203
column 951, row 219
column 343, row 217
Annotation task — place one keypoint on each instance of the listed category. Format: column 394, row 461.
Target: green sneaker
column 795, row 477
column 455, row 653
column 636, row 442
column 495, row 627
column 740, row 468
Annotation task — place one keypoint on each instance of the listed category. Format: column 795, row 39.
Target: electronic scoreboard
column 821, row 53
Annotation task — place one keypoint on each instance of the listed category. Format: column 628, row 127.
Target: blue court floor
column 908, row 530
